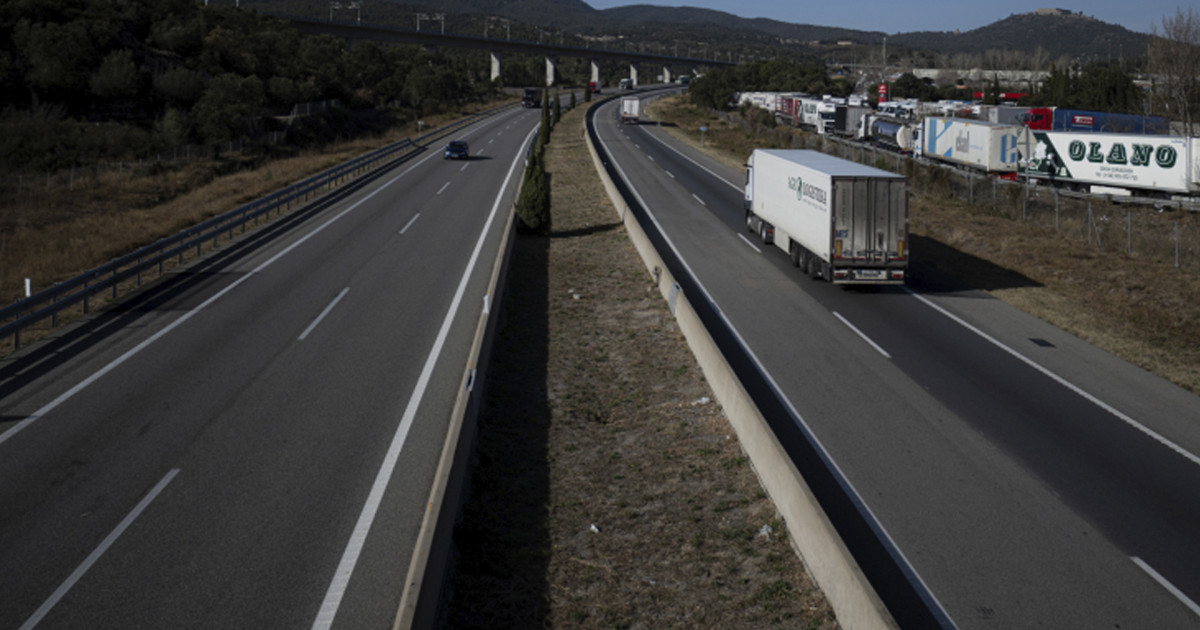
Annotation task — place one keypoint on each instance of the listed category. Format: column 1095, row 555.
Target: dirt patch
column 610, row 491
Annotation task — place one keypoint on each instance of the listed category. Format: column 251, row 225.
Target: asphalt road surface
column 251, row 443
column 1030, row 479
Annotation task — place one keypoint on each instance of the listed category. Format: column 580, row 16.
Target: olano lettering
column 1164, row 156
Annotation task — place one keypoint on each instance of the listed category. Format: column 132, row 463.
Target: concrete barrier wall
column 427, row 572
column 819, row 545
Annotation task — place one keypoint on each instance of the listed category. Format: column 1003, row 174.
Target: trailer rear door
column 870, row 216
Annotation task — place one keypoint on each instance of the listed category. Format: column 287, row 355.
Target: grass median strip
column 609, row 490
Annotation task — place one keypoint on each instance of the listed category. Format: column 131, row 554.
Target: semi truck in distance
column 532, row 97
column 1059, row 119
column 840, row 119
column 838, row 220
column 903, row 136
column 630, row 107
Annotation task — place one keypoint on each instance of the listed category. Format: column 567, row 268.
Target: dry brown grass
column 610, row 489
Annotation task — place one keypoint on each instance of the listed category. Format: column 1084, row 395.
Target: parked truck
column 978, row 144
column 1112, row 163
column 797, row 110
column 1059, row 119
column 898, row 134
column 630, row 107
column 840, row 119
column 836, row 219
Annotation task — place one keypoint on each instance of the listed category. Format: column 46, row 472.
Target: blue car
column 456, row 150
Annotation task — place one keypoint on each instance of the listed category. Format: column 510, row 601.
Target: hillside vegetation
column 88, row 80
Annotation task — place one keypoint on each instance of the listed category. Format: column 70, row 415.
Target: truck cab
column 532, row 97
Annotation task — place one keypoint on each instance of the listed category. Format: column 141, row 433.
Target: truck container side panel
column 1080, row 120
column 1194, row 161
column 782, row 187
column 980, row 144
column 1107, row 159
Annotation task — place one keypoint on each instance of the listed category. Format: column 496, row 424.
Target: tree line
column 112, row 79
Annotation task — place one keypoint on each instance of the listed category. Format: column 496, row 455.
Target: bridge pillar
column 495, row 66
column 666, row 74
column 633, row 74
column 595, row 73
column 551, row 66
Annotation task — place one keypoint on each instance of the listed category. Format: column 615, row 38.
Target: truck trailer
column 979, row 144
column 1112, row 162
column 630, row 108
column 836, row 219
column 840, row 119
column 1059, row 119
column 897, row 134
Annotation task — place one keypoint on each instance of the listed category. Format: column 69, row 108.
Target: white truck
column 978, row 144
column 630, row 108
column 839, row 118
column 836, row 219
column 1112, row 163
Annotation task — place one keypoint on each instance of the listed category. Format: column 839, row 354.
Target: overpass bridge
column 498, row 47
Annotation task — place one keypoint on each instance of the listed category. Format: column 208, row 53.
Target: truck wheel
column 795, row 256
column 811, row 267
column 764, row 232
column 749, row 221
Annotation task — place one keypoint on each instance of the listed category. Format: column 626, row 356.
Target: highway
column 1030, row 479
column 251, row 443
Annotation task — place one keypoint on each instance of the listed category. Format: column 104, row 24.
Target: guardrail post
column 1129, row 233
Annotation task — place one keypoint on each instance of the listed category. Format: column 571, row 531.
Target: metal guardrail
column 110, row 277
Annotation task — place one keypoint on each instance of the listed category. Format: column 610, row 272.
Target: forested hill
column 1059, row 34
column 114, row 79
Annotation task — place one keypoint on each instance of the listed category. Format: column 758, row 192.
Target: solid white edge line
column 861, row 334
column 749, row 242
column 189, row 314
column 1061, row 381
column 771, row 379
column 410, row 223
column 325, row 312
column 358, row 538
column 1162, row 581
column 108, row 541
